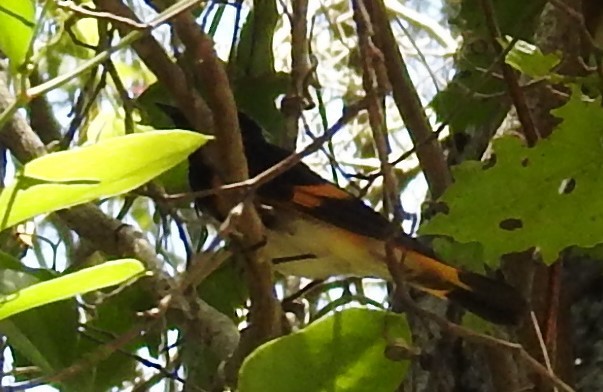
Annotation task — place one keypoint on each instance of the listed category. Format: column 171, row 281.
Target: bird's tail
column 489, row 298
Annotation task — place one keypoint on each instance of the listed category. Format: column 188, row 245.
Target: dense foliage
column 482, row 118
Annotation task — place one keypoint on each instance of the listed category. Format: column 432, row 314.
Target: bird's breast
column 304, row 246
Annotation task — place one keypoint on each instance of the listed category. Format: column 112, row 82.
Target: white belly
column 304, row 247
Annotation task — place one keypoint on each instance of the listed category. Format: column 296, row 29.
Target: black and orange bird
column 315, row 229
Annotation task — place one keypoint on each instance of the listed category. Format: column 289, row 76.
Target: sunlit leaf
column 530, row 60
column 70, row 285
column 16, row 28
column 108, row 168
column 86, row 29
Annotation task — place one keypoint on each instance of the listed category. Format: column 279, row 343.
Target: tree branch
column 265, row 313
column 109, row 235
column 409, row 105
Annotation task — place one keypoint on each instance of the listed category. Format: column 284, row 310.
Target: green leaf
column 343, row 352
column 470, row 18
column 469, row 256
column 108, row 168
column 114, row 317
column 256, row 96
column 16, row 29
column 254, row 52
column 14, row 275
column 529, row 59
column 45, row 337
column 70, row 285
column 546, row 197
column 470, row 103
column 175, row 180
column 225, row 289
column 467, row 112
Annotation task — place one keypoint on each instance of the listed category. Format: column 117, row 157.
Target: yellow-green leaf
column 108, row 168
column 16, row 28
column 89, row 279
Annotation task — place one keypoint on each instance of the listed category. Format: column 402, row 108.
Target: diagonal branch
column 109, row 235
column 230, row 162
column 226, row 154
column 409, row 105
column 523, row 112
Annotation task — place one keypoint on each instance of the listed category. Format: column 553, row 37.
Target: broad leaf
column 45, row 337
column 254, row 57
column 342, row 352
column 547, row 197
column 15, row 276
column 70, row 285
column 16, row 28
column 108, row 168
column 530, row 60
column 113, row 317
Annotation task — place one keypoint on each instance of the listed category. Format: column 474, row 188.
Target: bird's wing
column 321, row 230
column 338, row 234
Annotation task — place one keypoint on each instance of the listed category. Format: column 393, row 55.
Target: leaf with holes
column 547, row 197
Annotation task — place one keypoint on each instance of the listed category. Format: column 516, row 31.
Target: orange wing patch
column 310, row 195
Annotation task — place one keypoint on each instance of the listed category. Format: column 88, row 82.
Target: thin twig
column 88, row 12
column 428, row 150
column 543, row 346
column 579, row 18
column 372, row 60
column 294, row 102
column 523, row 112
column 126, row 41
column 252, row 184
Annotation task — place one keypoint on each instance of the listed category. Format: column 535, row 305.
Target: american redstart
column 317, row 230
